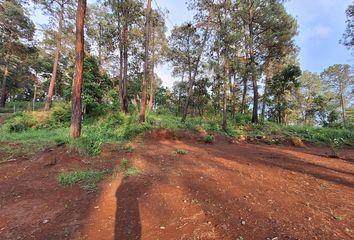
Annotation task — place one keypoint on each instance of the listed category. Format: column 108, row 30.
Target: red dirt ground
column 216, row 191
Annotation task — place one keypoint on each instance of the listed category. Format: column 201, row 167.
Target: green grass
column 209, row 139
column 87, row 179
column 128, row 170
column 181, row 151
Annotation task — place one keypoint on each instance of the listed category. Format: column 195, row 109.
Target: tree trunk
column 76, row 114
column 342, row 103
column 4, row 81
column 265, row 96
column 34, row 93
column 146, row 63
column 255, row 99
column 226, row 79
column 152, row 72
column 195, row 72
column 244, row 94
column 125, row 70
column 53, row 79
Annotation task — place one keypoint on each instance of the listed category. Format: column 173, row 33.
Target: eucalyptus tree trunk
column 225, row 83
column 195, row 72
column 53, row 79
column 76, row 114
column 152, row 72
column 4, row 81
column 146, row 62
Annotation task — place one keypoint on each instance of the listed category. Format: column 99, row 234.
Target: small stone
column 243, row 222
column 45, row 221
column 162, row 228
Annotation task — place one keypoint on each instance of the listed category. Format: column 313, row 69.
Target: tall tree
column 348, row 36
column 146, row 61
column 76, row 115
column 56, row 10
column 340, row 79
column 16, row 30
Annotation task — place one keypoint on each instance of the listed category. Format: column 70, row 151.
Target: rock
column 297, row 142
column 162, row 228
column 45, row 221
column 243, row 222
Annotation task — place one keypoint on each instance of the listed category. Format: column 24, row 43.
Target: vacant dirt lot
column 214, row 191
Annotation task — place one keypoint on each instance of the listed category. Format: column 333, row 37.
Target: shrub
column 20, row 122
column 181, row 151
column 209, row 139
column 89, row 145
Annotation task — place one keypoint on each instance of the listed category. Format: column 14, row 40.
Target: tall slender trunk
column 124, row 91
column 152, row 72
column 342, row 103
column 146, row 62
column 76, row 114
column 225, row 83
column 53, row 79
column 195, row 72
column 4, row 81
column 244, row 93
column 120, row 80
column 265, row 96
column 34, row 92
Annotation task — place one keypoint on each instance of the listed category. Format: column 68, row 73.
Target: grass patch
column 126, row 148
column 87, row 179
column 128, row 169
column 209, row 139
column 181, row 151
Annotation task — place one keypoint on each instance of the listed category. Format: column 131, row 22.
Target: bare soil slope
column 215, row 191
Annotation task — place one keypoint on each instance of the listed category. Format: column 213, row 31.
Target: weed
column 181, row 151
column 87, row 179
column 129, row 170
column 127, row 148
column 209, row 139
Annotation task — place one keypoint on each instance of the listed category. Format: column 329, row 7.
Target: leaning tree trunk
column 76, row 114
column 53, row 79
column 146, row 63
column 4, row 81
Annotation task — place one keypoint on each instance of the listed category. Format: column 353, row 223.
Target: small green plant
column 129, row 170
column 87, row 179
column 209, row 139
column 89, row 145
column 181, row 151
column 127, row 148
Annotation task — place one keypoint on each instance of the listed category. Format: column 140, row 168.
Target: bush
column 181, row 151
column 89, row 145
column 209, row 139
column 20, row 122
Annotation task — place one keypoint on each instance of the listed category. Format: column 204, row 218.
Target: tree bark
column 152, row 72
column 124, row 90
column 76, row 114
column 4, row 81
column 53, row 79
column 342, row 103
column 265, row 95
column 34, row 92
column 146, row 63
column 226, row 79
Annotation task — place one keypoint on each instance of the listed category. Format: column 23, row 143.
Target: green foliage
column 60, row 116
column 20, row 122
column 181, row 151
column 129, row 170
column 87, row 179
column 89, row 144
column 209, row 139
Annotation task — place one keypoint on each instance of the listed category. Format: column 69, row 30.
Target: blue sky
column 321, row 25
